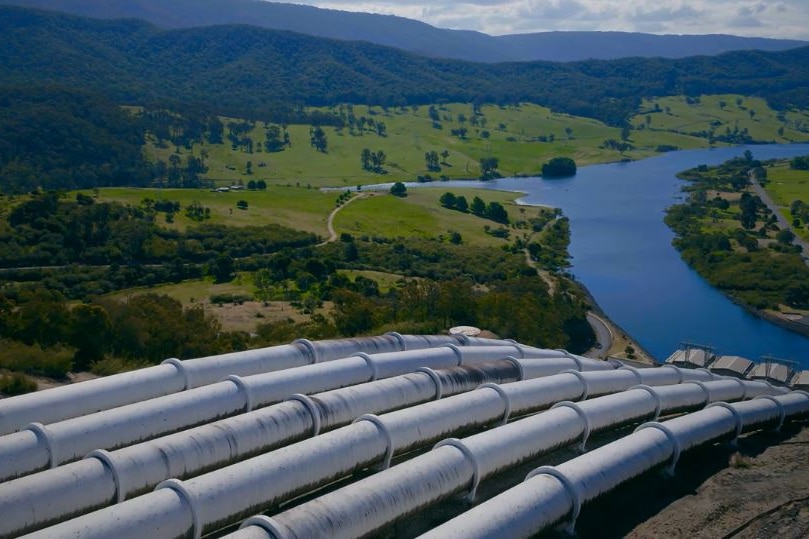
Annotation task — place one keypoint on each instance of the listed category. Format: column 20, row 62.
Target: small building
column 735, row 366
column 691, row 358
column 800, row 381
column 775, row 373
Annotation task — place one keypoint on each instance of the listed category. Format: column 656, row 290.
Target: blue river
column 622, row 253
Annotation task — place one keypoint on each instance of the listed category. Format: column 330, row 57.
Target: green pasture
column 720, row 113
column 420, row 214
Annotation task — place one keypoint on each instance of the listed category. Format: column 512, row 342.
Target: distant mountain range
column 249, row 71
column 411, row 35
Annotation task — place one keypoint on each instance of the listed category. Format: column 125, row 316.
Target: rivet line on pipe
column 503, row 395
column 313, row 411
column 177, row 364
column 704, row 388
column 245, row 389
column 439, row 387
column 567, row 354
column 675, row 443
column 42, row 433
column 518, row 364
column 781, row 411
column 677, row 370
column 655, row 395
column 371, row 364
column 106, row 459
column 569, row 487
column 179, row 488
column 457, row 351
column 736, row 416
column 467, row 453
column 584, row 418
column 585, row 392
column 308, row 349
column 268, row 524
column 634, row 371
column 372, row 418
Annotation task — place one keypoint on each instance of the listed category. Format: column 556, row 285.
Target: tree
column 785, row 236
column 318, row 139
column 89, row 332
column 261, row 185
column 365, row 159
column 478, row 207
column 398, row 189
column 447, row 200
column 222, row 269
column 444, row 156
column 488, row 166
column 461, row 205
column 497, row 213
column 559, row 167
column 242, row 204
column 431, row 161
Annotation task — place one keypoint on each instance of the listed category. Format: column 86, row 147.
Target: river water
column 622, row 253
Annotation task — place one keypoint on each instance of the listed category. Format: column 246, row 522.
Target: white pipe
column 366, row 506
column 220, row 496
column 174, row 375
column 32, row 501
column 550, row 495
column 42, row 446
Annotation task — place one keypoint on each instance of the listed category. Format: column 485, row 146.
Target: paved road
column 604, row 337
column 783, row 223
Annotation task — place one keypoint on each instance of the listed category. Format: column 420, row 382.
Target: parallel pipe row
column 42, row 446
column 551, row 495
column 174, row 375
column 103, row 478
column 209, row 501
column 455, row 466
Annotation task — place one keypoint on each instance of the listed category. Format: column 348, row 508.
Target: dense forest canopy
column 247, row 71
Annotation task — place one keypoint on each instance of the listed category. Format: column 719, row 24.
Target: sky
column 761, row 18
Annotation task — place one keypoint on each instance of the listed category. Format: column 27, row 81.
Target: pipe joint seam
column 106, row 459
column 781, row 411
column 677, row 370
column 45, row 436
column 704, row 388
column 655, row 395
column 457, row 352
column 801, row 392
column 177, row 364
column 676, row 448
column 711, row 376
column 634, row 371
column 385, row 432
column 568, row 355
column 585, row 392
column 517, row 363
column 308, row 349
column 439, row 387
column 179, row 488
column 584, row 419
column 239, row 382
column 736, row 416
column 313, row 411
column 569, row 487
column 742, row 384
column 503, row 395
column 371, row 364
column 470, row 456
column 268, row 524
column 399, row 339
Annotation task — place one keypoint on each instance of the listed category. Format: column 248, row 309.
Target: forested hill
column 408, row 34
column 245, row 70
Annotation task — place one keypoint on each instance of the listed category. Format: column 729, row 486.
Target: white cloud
column 766, row 18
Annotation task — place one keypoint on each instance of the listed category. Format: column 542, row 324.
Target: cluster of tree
column 277, row 138
column 800, row 163
column 559, row 167
column 132, row 62
column 493, row 210
column 733, row 260
column 177, row 174
column 54, row 138
column 50, row 231
column 488, row 168
column 358, row 126
column 800, row 213
column 318, row 139
column 373, row 161
column 181, row 130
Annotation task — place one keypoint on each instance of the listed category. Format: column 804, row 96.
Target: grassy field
column 786, row 185
column 522, row 137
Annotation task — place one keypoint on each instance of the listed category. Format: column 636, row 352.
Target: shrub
column 16, row 383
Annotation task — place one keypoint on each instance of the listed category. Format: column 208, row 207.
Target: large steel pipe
column 551, row 495
column 454, row 466
column 174, row 375
column 223, row 495
column 42, row 446
column 33, row 501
